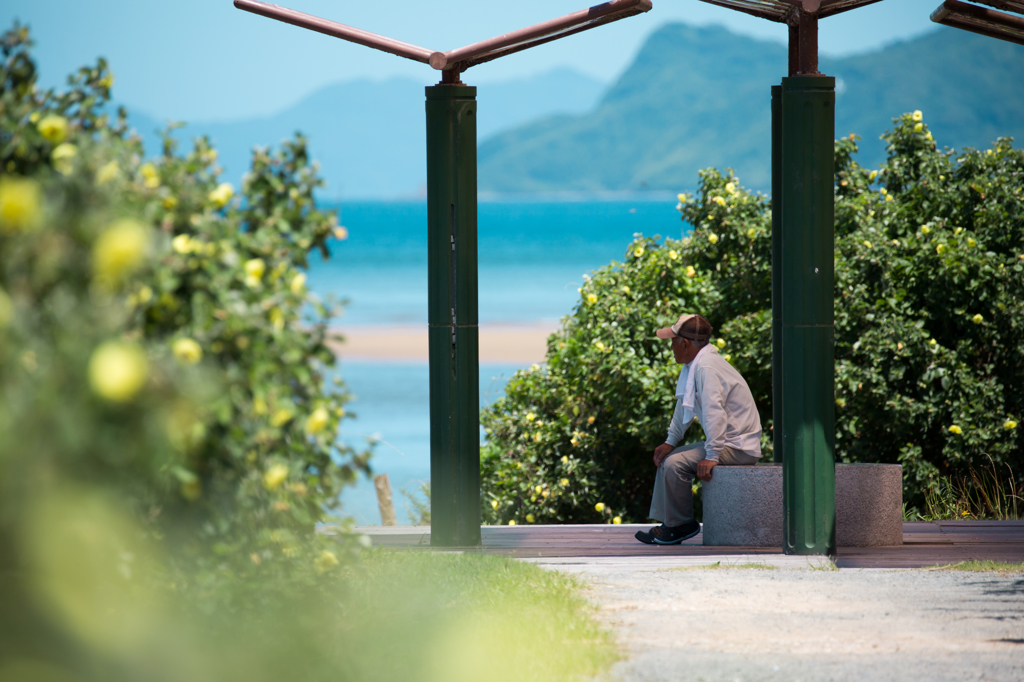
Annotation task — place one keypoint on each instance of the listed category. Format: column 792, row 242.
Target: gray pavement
column 798, row 623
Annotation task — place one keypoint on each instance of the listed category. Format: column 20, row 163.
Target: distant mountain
column 369, row 136
column 698, row 97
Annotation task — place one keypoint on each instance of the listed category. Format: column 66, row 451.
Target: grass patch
column 719, row 565
column 435, row 616
column 984, row 566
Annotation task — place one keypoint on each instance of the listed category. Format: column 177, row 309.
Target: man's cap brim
column 665, row 333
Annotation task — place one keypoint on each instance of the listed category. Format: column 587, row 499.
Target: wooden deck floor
column 924, row 544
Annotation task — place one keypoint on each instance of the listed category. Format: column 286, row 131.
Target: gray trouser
column 672, row 502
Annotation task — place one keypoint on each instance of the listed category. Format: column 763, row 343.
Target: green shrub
column 161, row 362
column 929, row 335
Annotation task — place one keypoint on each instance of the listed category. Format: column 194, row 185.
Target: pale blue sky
column 203, row 59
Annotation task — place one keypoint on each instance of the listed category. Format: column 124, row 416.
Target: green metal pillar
column 808, row 315
column 777, row 445
column 453, row 333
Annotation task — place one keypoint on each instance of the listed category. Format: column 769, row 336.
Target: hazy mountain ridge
column 369, row 136
column 698, row 97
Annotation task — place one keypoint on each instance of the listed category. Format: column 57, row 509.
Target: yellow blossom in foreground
column 20, row 204
column 591, row 298
column 617, row 520
column 977, row 319
column 538, row 489
column 720, row 343
column 918, row 127
column 690, row 272
column 565, row 460
column 564, row 482
column 54, row 128
column 971, row 243
column 925, row 229
column 150, row 176
column 276, row 317
column 625, row 290
column 117, row 371
column 673, row 254
column 682, row 198
column 529, row 518
column 1009, row 424
column 254, row 270
column 170, row 202
column 867, row 244
column 639, row 251
column 120, row 250
column 599, row 507
column 718, row 200
column 590, row 419
column 317, row 421
column 932, row 342
column 275, row 476
column 713, row 238
column 751, row 233
column 281, row 417
column 872, row 175
column 494, row 504
column 530, row 416
column 955, row 429
column 107, row 172
column 940, row 249
column 599, row 345
column 727, row 357
column 511, row 522
column 63, row 158
column 326, row 561
column 730, row 187
column 187, row 351
column 341, row 233
column 916, row 115
column 298, row 284
column 182, row 244
column 222, row 195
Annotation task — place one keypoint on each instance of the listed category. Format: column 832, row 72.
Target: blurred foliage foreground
column 168, row 435
column 929, row 337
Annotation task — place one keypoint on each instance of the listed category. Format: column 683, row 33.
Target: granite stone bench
column 743, row 506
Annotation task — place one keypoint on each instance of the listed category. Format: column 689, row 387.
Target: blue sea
column 532, row 258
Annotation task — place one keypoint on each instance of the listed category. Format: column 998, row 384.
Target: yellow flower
column 511, row 522
column 170, row 202
column 955, row 429
column 150, row 176
column 690, row 272
column 281, row 417
column 971, row 242
column 867, row 244
column 317, row 421
column 222, row 195
column 20, row 204
column 932, row 342
column 965, row 513
column 720, row 343
column 940, row 249
column 117, row 371
column 617, row 520
column 928, row 136
column 751, row 233
column 187, row 351
column 977, row 319
column 625, row 290
column 590, row 419
column 899, row 346
column 673, row 254
column 107, row 172
column 916, row 115
column 546, row 493
column 1010, row 424
column 254, row 270
column 63, row 158
column 530, row 416
column 591, row 298
column 7, row 311
column 494, row 504
column 888, row 197
column 681, row 198
column 340, row 233
column 565, row 460
column 727, row 357
column 275, row 476
column 599, row 507
column 120, row 250
column 872, row 175
column 276, row 317
column 298, row 284
column 182, row 244
column 326, row 561
column 639, row 251
column 54, row 128
column 107, row 81
column 730, row 187
column 713, row 238
column 918, row 127
column 925, row 229
column 564, row 482
column 718, row 200
column 529, row 518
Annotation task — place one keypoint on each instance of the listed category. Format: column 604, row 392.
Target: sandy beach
column 499, row 342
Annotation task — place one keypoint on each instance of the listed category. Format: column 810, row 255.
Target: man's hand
column 704, row 468
column 661, row 452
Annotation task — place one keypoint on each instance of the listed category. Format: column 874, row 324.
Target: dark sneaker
column 646, row 537
column 666, row 535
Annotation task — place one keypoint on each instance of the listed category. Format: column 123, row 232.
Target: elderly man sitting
column 712, row 391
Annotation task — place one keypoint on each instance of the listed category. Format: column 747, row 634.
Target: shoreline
column 500, row 342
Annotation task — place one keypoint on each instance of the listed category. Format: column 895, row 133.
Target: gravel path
column 804, row 624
